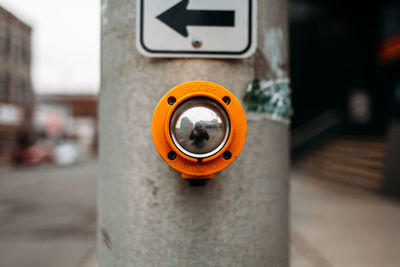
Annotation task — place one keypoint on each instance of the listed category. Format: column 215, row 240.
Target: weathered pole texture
column 148, row 215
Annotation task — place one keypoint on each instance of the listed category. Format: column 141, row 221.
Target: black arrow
column 179, row 17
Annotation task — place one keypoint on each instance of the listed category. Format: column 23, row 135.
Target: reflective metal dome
column 199, row 127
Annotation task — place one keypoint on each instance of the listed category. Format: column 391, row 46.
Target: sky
column 65, row 43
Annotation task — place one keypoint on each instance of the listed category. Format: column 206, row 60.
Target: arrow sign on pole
column 179, row 17
column 197, row 28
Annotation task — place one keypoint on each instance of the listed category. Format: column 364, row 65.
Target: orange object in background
column 199, row 128
column 390, row 50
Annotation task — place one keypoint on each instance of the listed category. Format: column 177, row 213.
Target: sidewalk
column 89, row 260
column 47, row 215
column 334, row 225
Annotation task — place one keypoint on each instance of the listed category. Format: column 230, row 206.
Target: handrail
column 314, row 128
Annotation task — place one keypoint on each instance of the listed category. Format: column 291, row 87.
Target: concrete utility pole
column 148, row 215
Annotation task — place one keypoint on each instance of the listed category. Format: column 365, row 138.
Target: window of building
column 4, row 39
column 17, row 47
column 26, row 52
column 28, row 96
column 4, row 85
column 21, row 91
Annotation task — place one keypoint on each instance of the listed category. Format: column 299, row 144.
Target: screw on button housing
column 227, row 155
column 171, row 100
column 172, row 155
column 226, row 100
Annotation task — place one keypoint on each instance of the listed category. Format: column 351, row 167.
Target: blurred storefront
column 345, row 72
column 16, row 95
column 389, row 80
column 69, row 123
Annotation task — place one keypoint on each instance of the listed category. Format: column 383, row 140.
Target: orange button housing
column 189, row 167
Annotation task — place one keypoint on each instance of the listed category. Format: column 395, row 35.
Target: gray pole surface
column 148, row 215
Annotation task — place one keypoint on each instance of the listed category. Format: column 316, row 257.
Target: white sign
column 197, row 28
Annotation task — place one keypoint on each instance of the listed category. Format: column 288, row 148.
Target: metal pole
column 148, row 215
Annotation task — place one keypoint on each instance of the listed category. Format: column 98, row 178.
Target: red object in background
column 55, row 124
column 390, row 50
column 34, row 155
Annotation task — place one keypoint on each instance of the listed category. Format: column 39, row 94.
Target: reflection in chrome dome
column 199, row 127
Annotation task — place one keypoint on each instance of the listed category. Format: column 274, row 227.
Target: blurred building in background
column 70, row 122
column 16, row 94
column 345, row 72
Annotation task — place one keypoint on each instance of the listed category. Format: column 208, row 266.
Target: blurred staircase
column 358, row 161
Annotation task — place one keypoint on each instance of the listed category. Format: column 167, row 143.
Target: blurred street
column 47, row 215
column 48, row 218
column 335, row 225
